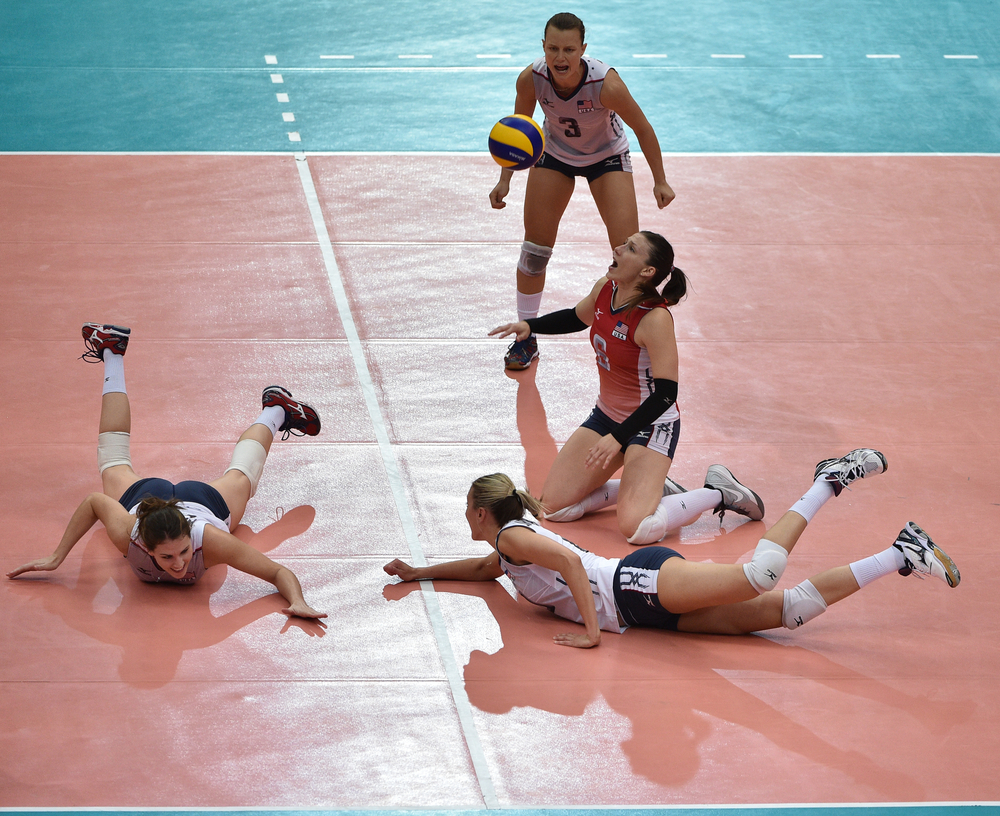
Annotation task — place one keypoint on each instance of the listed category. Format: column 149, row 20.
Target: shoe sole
column 951, row 573
column 518, row 366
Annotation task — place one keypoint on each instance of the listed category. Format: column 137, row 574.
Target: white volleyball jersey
column 547, row 588
column 578, row 129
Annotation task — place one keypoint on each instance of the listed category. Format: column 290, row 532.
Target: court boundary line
column 452, row 671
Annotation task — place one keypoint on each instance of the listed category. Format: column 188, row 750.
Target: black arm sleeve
column 664, row 395
column 565, row 321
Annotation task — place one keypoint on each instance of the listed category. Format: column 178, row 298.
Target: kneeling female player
column 173, row 533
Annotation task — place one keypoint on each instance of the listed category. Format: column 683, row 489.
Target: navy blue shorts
column 622, row 162
column 661, row 437
column 196, row 492
column 637, row 603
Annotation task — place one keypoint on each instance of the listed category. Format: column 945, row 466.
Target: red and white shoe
column 100, row 336
column 300, row 419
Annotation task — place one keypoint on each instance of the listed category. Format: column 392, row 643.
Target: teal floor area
column 727, row 76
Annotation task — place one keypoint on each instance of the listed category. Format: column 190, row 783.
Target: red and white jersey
column 578, row 129
column 547, row 588
column 623, row 366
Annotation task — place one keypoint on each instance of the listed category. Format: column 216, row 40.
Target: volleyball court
column 837, row 302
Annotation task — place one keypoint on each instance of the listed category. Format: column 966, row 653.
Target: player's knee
column 112, row 450
column 248, row 458
column 533, row 260
column 764, row 570
column 801, row 604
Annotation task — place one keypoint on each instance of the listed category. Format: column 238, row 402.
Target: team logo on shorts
column 620, row 331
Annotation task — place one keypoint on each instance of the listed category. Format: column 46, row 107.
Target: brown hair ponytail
column 159, row 520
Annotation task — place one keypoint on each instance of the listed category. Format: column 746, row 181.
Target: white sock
column 114, row 373
column 272, row 417
column 528, row 305
column 674, row 512
column 816, row 496
column 877, row 566
column 604, row 496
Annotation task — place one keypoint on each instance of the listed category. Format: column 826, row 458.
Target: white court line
column 294, row 136
column 270, row 59
column 805, row 56
column 459, row 695
column 277, row 79
column 288, row 117
column 961, row 56
column 282, row 97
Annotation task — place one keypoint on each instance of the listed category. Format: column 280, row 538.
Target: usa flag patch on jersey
column 584, row 105
column 620, row 331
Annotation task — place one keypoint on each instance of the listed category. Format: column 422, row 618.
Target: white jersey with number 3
column 578, row 129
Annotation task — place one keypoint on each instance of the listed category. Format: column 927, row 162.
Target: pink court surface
column 838, row 302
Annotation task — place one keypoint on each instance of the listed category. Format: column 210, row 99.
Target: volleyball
column 516, row 142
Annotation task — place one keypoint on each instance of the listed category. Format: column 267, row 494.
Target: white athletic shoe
column 855, row 465
column 924, row 557
column 735, row 496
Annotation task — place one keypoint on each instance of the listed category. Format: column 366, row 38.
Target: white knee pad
column 570, row 513
column 766, row 567
column 534, row 258
column 113, row 449
column 650, row 530
column 800, row 605
column 248, row 458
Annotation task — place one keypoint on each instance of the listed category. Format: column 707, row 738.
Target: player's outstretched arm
column 524, row 104
column 96, row 507
column 486, row 568
column 225, row 548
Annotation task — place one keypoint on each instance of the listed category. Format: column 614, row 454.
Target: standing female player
column 636, row 423
column 173, row 533
column 585, row 103
column 656, row 587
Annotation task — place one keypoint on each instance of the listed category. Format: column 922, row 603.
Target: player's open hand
column 603, row 452
column 521, row 330
column 577, row 641
column 38, row 565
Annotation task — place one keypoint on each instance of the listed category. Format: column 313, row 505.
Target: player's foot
column 300, row 419
column 855, row 465
column 671, row 488
column 100, row 336
column 924, row 557
column 735, row 496
column 521, row 354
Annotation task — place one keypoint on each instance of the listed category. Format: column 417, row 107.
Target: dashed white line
column 277, row 79
column 882, row 56
column 961, row 56
column 288, row 117
column 294, row 137
column 270, row 59
column 282, row 97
